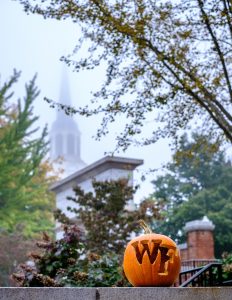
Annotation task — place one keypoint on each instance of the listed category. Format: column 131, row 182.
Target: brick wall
column 200, row 245
column 200, row 241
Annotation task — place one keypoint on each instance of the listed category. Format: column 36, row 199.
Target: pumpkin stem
column 145, row 227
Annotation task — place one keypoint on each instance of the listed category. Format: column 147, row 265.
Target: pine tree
column 25, row 202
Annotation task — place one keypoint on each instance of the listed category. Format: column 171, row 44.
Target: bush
column 227, row 266
column 66, row 262
column 93, row 259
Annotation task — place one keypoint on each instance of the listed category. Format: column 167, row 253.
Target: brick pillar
column 200, row 240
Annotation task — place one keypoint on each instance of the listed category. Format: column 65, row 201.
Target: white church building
column 65, row 142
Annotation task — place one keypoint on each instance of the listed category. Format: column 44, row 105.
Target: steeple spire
column 65, row 136
column 64, row 96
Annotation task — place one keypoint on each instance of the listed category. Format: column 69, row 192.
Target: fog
column 34, row 46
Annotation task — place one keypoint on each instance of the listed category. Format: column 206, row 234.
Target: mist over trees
column 167, row 62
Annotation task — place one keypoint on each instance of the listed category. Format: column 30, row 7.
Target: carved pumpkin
column 151, row 260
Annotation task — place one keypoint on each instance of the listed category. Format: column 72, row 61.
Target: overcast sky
column 34, row 45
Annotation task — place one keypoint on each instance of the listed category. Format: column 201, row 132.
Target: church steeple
column 64, row 96
column 65, row 136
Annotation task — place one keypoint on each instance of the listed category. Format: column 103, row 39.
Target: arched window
column 59, row 145
column 70, row 144
column 78, row 146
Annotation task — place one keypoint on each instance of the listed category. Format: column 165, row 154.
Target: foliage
column 196, row 185
column 67, row 262
column 106, row 214
column 105, row 271
column 93, row 256
column 24, row 197
column 13, row 247
column 227, row 266
column 166, row 61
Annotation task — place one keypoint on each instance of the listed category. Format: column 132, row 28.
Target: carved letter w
column 152, row 254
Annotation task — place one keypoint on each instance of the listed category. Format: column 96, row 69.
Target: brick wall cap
column 204, row 224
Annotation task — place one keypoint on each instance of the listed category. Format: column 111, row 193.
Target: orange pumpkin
column 151, row 260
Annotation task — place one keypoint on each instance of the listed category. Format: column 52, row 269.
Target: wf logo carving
column 152, row 250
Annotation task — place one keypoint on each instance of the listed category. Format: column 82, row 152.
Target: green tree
column 24, row 197
column 106, row 216
column 168, row 61
column 195, row 185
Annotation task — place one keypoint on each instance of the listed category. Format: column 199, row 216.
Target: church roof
column 106, row 163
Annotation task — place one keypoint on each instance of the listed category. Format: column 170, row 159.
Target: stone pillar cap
column 204, row 224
